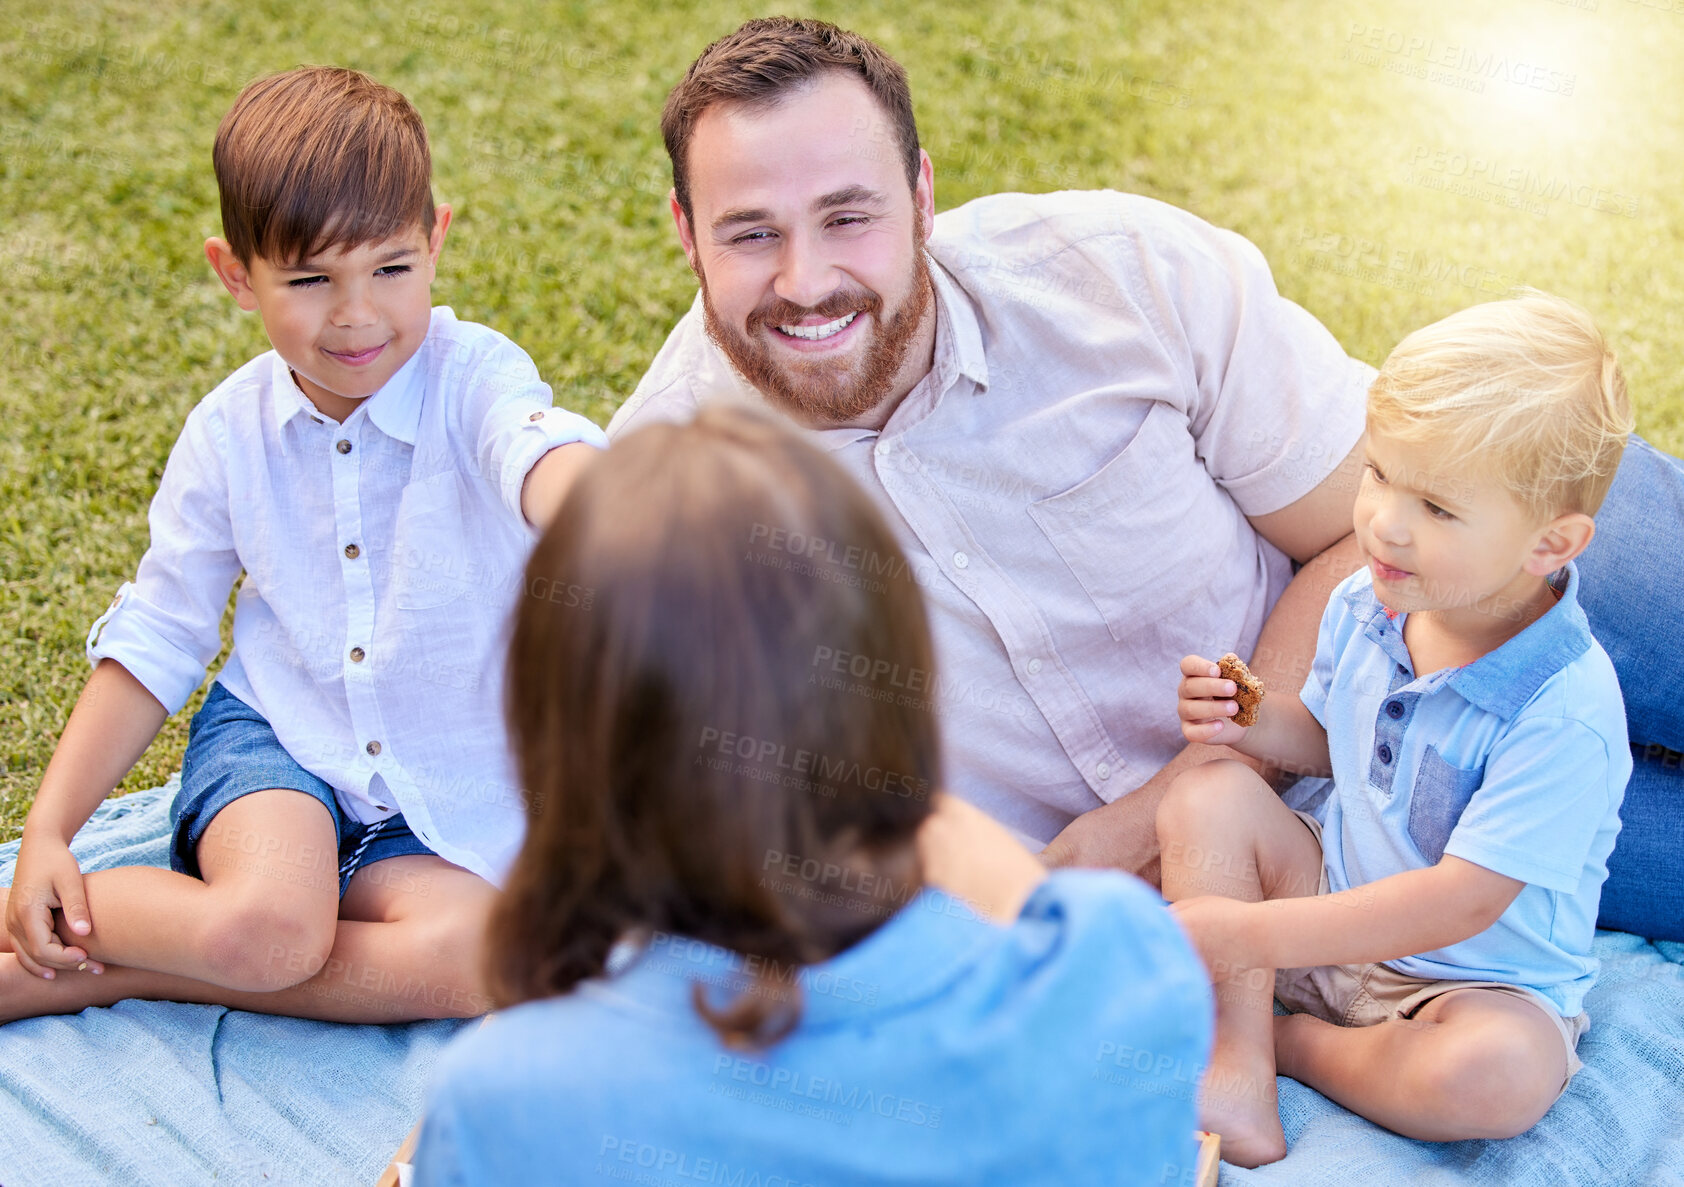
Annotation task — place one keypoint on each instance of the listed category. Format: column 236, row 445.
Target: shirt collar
column 1502, row 680
column 963, row 339
column 395, row 409
column 286, row 400
column 922, row 948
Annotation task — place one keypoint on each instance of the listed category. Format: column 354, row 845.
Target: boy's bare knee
column 1493, row 1083
column 259, row 946
column 1198, row 792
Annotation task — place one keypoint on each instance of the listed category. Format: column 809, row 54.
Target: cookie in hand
column 1248, row 689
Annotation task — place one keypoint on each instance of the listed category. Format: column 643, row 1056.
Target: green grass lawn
column 1392, row 166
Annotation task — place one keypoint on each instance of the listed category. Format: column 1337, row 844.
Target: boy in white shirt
column 347, row 797
column 1432, row 931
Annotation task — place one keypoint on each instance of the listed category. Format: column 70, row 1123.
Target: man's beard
column 825, row 392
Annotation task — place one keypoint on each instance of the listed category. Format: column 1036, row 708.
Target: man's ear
column 233, row 274
column 686, row 239
column 1565, row 537
column 924, row 194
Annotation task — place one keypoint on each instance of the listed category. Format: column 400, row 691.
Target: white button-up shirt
column 1117, row 385
column 382, row 557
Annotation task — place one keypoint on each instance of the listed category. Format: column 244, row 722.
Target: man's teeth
column 815, row 333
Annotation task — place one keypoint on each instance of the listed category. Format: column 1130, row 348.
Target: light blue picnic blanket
column 156, row 1092
column 178, row 1095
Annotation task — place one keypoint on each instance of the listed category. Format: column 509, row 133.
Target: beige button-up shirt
column 1117, row 385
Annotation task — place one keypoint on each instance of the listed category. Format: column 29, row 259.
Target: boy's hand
column 1206, row 703
column 47, row 877
column 1224, row 931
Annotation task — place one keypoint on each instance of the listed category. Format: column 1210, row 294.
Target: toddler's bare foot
column 1240, row 1103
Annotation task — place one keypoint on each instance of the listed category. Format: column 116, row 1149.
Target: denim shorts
column 231, row 752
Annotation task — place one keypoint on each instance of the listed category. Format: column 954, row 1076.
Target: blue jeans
column 1645, row 888
column 1629, row 587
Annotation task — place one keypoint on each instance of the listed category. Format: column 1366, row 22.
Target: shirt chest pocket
column 1441, row 795
column 1131, row 533
column 429, row 552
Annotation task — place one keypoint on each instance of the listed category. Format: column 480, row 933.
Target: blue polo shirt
column 1516, row 762
column 941, row 1049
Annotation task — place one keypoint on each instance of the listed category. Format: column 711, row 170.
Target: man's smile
column 819, row 332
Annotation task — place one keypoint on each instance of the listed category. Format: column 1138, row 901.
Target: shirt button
column 352, row 552
column 342, row 445
column 883, row 448
column 961, row 561
column 536, row 416
column 1034, row 667
column 357, row 654
column 1385, row 753
column 1394, row 710
column 373, row 749
column 1103, row 770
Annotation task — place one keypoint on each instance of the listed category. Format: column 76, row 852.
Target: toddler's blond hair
column 1524, row 390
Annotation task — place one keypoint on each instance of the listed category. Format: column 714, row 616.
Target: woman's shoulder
column 1082, row 922
column 1093, row 954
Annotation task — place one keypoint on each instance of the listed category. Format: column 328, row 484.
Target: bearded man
column 1104, row 438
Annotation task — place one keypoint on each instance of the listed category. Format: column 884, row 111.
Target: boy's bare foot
column 16, row 989
column 1241, row 1103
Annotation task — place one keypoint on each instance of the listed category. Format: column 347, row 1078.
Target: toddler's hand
column 1206, row 703
column 47, row 877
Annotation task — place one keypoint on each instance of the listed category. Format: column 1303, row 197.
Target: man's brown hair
column 762, row 63
column 317, row 158
column 695, row 761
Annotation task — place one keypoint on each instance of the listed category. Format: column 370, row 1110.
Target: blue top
column 940, row 1049
column 1516, row 762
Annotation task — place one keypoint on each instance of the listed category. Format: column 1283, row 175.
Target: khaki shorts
column 1367, row 994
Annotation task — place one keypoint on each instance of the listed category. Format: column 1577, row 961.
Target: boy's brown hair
column 693, row 763
column 317, row 158
column 765, row 60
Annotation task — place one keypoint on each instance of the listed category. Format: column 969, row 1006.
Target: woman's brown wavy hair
column 720, row 722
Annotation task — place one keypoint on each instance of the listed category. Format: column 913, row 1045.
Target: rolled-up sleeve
column 510, row 416
column 165, row 625
column 1277, row 404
